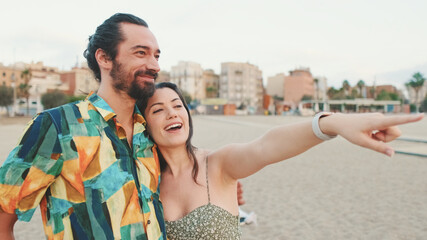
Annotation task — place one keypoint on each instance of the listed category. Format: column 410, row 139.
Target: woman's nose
column 172, row 114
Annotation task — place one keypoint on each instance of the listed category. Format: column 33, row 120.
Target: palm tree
column 346, row 86
column 416, row 82
column 361, row 85
column 24, row 88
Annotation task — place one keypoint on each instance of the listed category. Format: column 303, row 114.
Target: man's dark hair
column 107, row 37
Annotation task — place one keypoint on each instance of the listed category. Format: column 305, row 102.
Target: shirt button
column 148, row 222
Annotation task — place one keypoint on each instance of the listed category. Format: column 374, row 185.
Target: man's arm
column 7, row 221
column 30, row 169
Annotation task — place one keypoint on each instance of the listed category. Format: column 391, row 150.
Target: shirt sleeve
column 30, row 168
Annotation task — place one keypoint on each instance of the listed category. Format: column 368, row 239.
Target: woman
column 198, row 187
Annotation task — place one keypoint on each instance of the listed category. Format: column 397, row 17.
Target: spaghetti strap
column 207, row 180
column 208, row 221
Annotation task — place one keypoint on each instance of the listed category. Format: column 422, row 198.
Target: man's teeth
column 176, row 125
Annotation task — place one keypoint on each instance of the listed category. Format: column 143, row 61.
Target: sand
column 333, row 191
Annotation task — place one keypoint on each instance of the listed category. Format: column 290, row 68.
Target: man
column 88, row 164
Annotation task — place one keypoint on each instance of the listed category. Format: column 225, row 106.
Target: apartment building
column 43, row 79
column 188, row 76
column 211, row 80
column 241, row 84
column 320, row 88
column 79, row 81
column 163, row 76
column 11, row 74
column 299, row 83
column 275, row 85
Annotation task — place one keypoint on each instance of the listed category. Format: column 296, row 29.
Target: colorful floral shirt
column 75, row 162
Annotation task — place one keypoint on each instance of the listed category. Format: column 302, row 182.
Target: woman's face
column 167, row 119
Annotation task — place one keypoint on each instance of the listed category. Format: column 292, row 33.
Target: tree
column 416, row 83
column 187, row 97
column 53, row 99
column 6, row 96
column 424, row 105
column 75, row 98
column 307, row 98
column 383, row 95
column 336, row 94
column 24, row 88
column 387, row 96
column 211, row 91
column 346, row 86
column 354, row 94
column 361, row 85
column 278, row 99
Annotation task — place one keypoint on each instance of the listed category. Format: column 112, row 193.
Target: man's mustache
column 150, row 73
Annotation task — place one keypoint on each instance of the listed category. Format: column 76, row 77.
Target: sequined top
column 205, row 222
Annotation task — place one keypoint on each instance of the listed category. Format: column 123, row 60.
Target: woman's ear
column 103, row 59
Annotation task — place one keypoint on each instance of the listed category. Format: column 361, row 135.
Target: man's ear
column 103, row 59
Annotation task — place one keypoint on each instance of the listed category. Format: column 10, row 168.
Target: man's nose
column 153, row 64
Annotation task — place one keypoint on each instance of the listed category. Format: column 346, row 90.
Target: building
column 163, row 76
column 275, row 85
column 12, row 74
column 211, row 80
column 298, row 84
column 188, row 76
column 79, row 81
column 43, row 80
column 320, row 88
column 374, row 91
column 241, row 84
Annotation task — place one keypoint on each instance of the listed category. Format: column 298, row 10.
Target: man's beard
column 133, row 89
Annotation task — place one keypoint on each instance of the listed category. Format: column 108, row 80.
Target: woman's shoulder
column 204, row 154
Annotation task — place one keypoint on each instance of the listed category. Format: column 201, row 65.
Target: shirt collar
column 107, row 112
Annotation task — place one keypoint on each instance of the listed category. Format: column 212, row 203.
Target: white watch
column 316, row 128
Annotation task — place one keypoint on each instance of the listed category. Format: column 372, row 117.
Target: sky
column 377, row 41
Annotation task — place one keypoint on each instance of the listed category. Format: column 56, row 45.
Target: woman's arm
column 370, row 130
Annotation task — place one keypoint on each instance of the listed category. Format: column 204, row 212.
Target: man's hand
column 240, row 199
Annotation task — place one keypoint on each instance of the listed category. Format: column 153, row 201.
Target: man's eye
column 140, row 53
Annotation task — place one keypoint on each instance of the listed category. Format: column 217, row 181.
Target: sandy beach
column 333, row 191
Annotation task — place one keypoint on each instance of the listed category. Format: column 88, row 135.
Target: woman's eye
column 158, row 110
column 178, row 106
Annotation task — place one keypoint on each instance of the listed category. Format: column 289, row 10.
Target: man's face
column 136, row 65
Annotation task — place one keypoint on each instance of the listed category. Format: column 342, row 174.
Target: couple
column 93, row 169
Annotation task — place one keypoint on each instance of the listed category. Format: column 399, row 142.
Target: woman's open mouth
column 173, row 126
